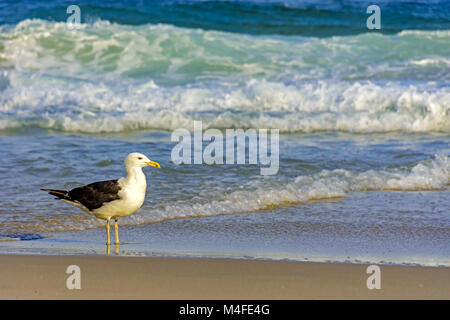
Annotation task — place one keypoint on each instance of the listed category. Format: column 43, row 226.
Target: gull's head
column 139, row 160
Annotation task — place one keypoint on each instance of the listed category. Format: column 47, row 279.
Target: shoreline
column 117, row 277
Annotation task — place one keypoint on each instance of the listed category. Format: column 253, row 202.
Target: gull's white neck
column 135, row 176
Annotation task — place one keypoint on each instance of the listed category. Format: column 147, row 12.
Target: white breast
column 132, row 196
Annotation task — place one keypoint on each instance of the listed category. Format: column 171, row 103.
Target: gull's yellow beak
column 153, row 164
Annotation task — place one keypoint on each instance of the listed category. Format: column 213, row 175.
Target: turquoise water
column 364, row 121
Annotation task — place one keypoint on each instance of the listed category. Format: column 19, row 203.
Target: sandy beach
column 44, row 277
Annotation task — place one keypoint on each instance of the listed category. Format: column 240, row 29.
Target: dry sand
column 44, row 277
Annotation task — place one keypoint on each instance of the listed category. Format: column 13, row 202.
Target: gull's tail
column 59, row 194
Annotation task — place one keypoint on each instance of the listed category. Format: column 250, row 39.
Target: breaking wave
column 108, row 77
column 309, row 107
column 431, row 174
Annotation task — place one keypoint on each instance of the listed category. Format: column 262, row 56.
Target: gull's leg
column 116, row 230
column 108, row 242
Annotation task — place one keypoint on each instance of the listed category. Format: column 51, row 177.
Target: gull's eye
column 140, row 158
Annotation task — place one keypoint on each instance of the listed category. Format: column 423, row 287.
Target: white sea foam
column 427, row 175
column 107, row 77
column 305, row 107
column 104, row 50
column 432, row 61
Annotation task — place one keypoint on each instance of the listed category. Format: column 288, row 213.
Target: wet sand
column 44, row 277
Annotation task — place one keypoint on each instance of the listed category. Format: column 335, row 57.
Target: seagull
column 112, row 198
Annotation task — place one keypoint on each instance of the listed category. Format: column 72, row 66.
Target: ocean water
column 363, row 116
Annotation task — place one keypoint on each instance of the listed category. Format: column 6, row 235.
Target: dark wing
column 94, row 195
